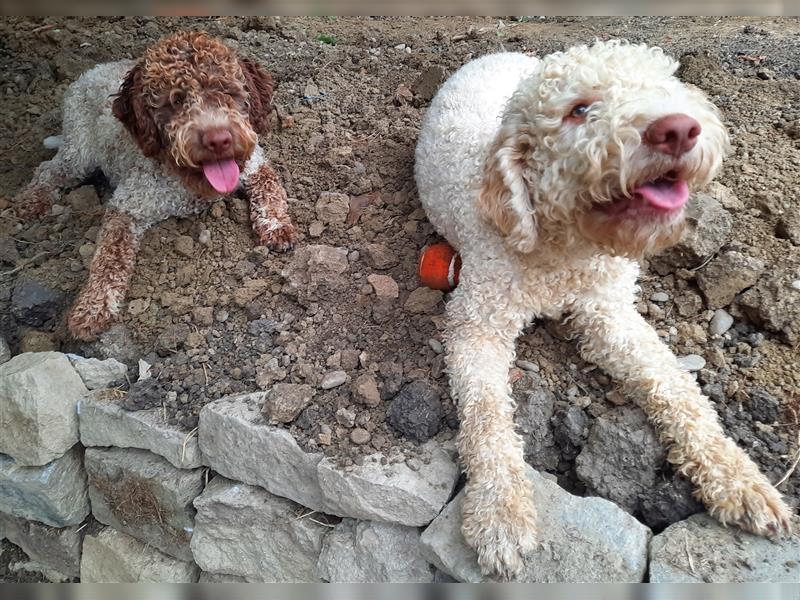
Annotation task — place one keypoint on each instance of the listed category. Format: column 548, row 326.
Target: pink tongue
column 664, row 194
column 223, row 175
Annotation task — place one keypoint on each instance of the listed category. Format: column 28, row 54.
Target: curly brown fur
column 268, row 210
column 188, row 83
column 112, row 266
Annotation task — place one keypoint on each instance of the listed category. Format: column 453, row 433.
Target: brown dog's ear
column 130, row 108
column 504, row 200
column 260, row 85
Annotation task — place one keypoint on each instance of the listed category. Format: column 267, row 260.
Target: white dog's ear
column 504, row 200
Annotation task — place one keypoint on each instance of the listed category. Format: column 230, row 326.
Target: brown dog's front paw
column 89, row 317
column 280, row 238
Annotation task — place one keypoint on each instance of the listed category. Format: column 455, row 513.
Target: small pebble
column 526, row 365
column 333, row 379
column 796, row 284
column 205, row 237
column 53, row 142
column 720, row 322
column 345, row 417
column 360, row 436
column 436, row 345
column 660, row 297
column 691, row 362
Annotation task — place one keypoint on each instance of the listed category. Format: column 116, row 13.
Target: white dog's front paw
column 745, row 498
column 500, row 525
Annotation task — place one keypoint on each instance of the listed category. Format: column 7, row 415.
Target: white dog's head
column 601, row 144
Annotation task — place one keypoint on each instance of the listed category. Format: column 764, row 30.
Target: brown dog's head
column 193, row 103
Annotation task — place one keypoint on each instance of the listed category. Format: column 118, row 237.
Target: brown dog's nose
column 217, row 140
column 674, row 134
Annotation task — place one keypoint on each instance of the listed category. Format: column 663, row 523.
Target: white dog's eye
column 579, row 111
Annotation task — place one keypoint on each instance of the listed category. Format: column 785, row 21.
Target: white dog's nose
column 674, row 134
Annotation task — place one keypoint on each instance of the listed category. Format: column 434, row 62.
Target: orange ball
column 439, row 265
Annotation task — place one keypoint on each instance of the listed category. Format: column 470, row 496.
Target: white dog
column 551, row 176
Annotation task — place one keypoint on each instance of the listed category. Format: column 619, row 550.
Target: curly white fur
column 518, row 188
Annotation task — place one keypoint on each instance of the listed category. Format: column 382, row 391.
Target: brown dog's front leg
column 269, row 209
column 99, row 302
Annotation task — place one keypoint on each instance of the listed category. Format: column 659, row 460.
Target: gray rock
column 285, row 401
column 34, row 303
column 764, row 406
column 527, row 365
column 332, row 208
column 570, row 429
column 58, row 549
column 141, row 494
column 668, row 502
column 5, row 351
column 315, row 269
column 83, row 199
column 171, row 339
column 622, row 456
column 98, row 374
column 365, row 390
column 369, row 552
column 184, row 245
column 392, row 492
column 246, row 531
column 54, row 494
column 581, row 540
column 333, row 379
column 416, row 412
column 117, row 343
column 423, row 300
column 708, row 227
column 8, row 250
column 691, row 362
column 103, row 422
column 33, row 340
column 145, row 394
column 727, row 275
column 237, row 442
column 720, row 322
column 660, row 297
column 699, row 549
column 38, row 395
column 774, row 302
column 206, row 577
column 535, row 407
column 788, row 226
column 114, row 557
column 381, row 257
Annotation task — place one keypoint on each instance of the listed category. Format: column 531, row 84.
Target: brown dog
column 181, row 131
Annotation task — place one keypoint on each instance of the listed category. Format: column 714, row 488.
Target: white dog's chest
column 552, row 292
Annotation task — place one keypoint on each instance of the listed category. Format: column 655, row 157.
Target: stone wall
column 92, row 491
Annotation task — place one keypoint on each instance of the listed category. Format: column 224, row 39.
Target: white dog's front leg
column 498, row 512
column 618, row 339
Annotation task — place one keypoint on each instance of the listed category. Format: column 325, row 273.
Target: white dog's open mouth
column 665, row 196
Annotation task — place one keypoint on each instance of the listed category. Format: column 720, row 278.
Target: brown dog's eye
column 177, row 99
